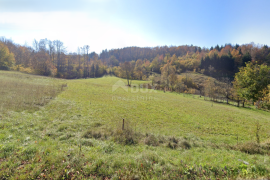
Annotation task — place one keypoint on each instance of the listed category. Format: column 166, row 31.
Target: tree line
column 50, row 58
column 162, row 65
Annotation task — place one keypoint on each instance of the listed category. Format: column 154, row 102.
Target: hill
column 78, row 132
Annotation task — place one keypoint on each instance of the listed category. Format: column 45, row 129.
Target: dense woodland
column 162, row 65
column 50, row 58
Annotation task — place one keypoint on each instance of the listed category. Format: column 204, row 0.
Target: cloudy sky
column 109, row 24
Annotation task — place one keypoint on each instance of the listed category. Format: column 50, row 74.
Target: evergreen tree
column 217, row 47
column 246, row 58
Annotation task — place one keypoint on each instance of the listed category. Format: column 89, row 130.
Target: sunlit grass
column 164, row 113
column 51, row 142
column 25, row 92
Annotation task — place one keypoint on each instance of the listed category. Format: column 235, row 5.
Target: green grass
column 26, row 92
column 46, row 143
column 163, row 113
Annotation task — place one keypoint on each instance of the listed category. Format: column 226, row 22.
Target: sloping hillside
column 79, row 134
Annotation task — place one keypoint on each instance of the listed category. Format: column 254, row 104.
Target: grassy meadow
column 72, row 129
column 26, row 92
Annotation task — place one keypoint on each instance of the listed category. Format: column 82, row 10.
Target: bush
column 189, row 83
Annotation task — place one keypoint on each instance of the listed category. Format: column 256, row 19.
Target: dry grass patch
column 253, row 148
column 20, row 92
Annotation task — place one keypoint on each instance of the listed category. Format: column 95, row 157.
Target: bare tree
column 84, row 60
column 51, row 49
column 226, row 88
column 35, row 45
column 42, row 45
column 79, row 57
column 59, row 47
column 87, row 47
column 128, row 69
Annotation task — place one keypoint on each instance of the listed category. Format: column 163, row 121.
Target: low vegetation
column 79, row 133
column 25, row 92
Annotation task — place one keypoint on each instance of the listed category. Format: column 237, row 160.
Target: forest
column 162, row 65
column 50, row 58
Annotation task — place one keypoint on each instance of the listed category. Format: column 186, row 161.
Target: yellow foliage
column 23, row 69
column 211, row 53
column 7, row 59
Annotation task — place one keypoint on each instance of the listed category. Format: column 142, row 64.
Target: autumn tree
column 266, row 98
column 209, row 88
column 6, row 58
column 139, row 69
column 155, row 65
column 168, row 74
column 128, row 71
column 251, row 81
column 113, row 61
column 178, row 85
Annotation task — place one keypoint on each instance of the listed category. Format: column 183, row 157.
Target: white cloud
column 73, row 28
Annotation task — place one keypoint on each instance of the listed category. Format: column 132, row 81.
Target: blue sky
column 107, row 24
